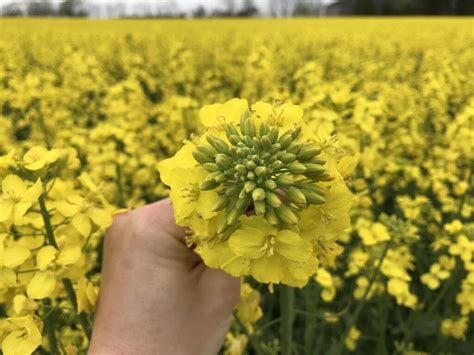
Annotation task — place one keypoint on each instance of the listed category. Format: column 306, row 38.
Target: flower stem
column 49, row 328
column 66, row 282
column 286, row 313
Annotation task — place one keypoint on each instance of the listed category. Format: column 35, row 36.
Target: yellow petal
column 7, row 277
column 218, row 114
column 6, row 208
column 41, row 285
column 12, row 184
column 268, row 269
column 69, row 255
column 33, row 193
column 291, row 246
column 100, row 217
column 45, row 257
column 24, row 339
column 66, row 209
column 15, row 256
column 19, row 212
column 82, row 223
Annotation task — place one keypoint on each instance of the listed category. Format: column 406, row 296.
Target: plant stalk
column 287, row 296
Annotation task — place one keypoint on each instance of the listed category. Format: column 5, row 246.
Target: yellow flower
column 235, row 344
column 38, row 157
column 276, row 255
column 17, row 198
column 87, row 295
column 83, row 213
column 42, row 285
column 352, row 337
column 248, row 309
column 218, row 115
column 324, row 278
column 183, row 176
column 455, row 328
column 14, row 255
column 375, row 234
column 24, row 336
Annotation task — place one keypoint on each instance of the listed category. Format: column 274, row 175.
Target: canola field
column 90, row 110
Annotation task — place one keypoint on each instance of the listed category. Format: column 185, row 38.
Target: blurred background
column 233, row 8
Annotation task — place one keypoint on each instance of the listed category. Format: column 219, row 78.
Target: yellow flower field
column 366, row 210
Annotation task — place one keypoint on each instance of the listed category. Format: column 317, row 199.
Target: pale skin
column 157, row 296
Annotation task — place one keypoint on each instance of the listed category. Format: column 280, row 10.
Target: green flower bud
column 261, row 171
column 294, row 148
column 314, row 168
column 258, row 194
column 248, row 141
column 326, row 177
column 243, row 203
column 220, row 145
column 307, row 152
column 287, row 157
column 230, row 131
column 247, row 127
column 264, row 129
column 208, row 185
column 241, row 152
column 233, row 216
column 211, row 167
column 285, row 140
column 223, row 161
column 220, row 204
column 296, row 196
column 285, row 180
column 286, row 214
column 241, row 169
column 212, row 176
column 277, row 165
column 296, row 132
column 259, row 208
column 296, row 168
column 229, row 172
column 251, row 175
column 270, row 215
column 221, row 178
column 234, row 139
column 233, row 190
column 313, row 197
column 270, row 184
column 266, row 143
column 250, row 165
column 201, row 157
column 274, row 133
column 317, row 161
column 275, row 148
column 272, row 199
column 311, row 187
column 249, row 186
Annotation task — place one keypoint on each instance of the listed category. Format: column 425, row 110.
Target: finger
column 224, row 288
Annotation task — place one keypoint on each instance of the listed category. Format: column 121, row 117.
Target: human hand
column 157, row 297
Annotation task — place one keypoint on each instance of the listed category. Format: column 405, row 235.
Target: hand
column 157, row 296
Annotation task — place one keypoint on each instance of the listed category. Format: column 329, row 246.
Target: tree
column 305, row 8
column 199, row 12
column 11, row 10
column 72, row 8
column 464, row 7
column 248, row 9
column 40, row 8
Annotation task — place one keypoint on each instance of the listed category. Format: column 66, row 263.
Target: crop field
column 92, row 110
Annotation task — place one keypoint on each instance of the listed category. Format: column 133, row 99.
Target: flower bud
column 314, row 168
column 211, row 167
column 296, row 132
column 296, row 168
column 270, row 215
column 274, row 133
column 270, row 184
column 285, row 180
column 233, row 190
column 294, row 148
column 287, row 157
column 218, row 144
column 259, row 208
column 221, row 178
column 272, row 199
column 243, row 203
column 220, row 204
column 313, row 197
column 249, row 186
column 264, row 129
column 308, row 152
column 201, row 157
column 286, row 214
column 250, row 165
column 230, row 131
column 223, row 161
column 234, row 139
column 233, row 216
column 241, row 169
column 258, row 194
column 275, row 148
column 261, row 171
column 296, row 196
column 251, row 175
column 266, row 143
column 285, row 140
column 208, row 185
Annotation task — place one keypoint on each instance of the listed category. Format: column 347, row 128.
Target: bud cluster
column 263, row 169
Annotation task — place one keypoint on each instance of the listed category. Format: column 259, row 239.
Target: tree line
column 243, row 8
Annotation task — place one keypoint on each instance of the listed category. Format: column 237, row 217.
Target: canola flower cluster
column 347, row 170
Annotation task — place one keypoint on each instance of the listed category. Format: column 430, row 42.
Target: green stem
column 360, row 305
column 66, row 282
column 286, row 313
column 48, row 321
